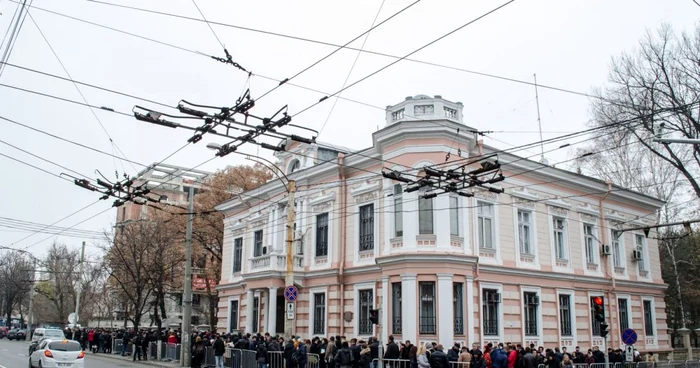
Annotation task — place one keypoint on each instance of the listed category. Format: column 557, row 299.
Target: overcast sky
column 568, row 44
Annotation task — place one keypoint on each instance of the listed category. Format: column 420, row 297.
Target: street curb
column 144, row 362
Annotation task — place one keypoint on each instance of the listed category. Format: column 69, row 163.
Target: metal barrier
column 275, row 359
column 232, row 358
column 692, row 364
column 577, row 365
column 152, row 350
column 459, row 364
column 542, row 366
column 313, row 361
column 171, row 352
column 209, row 360
column 391, row 363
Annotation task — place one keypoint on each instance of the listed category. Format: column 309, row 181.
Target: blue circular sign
column 291, row 293
column 629, row 336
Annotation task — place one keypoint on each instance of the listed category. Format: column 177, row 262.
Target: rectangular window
column 524, row 233
column 258, row 244
column 398, row 211
column 427, row 308
column 396, row 322
column 565, row 315
column 588, row 243
column 531, row 306
column 641, row 247
column 320, row 313
column 485, row 225
column 648, row 318
column 623, row 314
column 454, row 216
column 366, row 303
column 425, row 216
column 490, row 316
column 617, row 248
column 233, row 321
column 458, row 307
column 237, row 254
column 367, row 227
column 559, row 229
column 322, row 235
column 256, row 314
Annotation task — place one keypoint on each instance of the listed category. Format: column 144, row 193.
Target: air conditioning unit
column 535, row 300
column 606, row 250
column 637, row 255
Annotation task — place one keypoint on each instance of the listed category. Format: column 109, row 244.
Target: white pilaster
column 267, row 305
column 410, row 220
column 441, row 221
column 445, row 309
column 273, row 233
column 469, row 321
column 385, row 309
column 388, row 218
column 249, row 311
column 271, row 311
column 409, row 314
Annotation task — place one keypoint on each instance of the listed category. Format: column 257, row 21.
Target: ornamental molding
column 322, row 199
column 485, row 194
column 557, row 202
column 613, row 215
column 524, row 194
column 523, row 202
column 587, row 209
column 365, row 187
column 558, row 211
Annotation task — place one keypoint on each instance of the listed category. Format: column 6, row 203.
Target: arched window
column 294, row 166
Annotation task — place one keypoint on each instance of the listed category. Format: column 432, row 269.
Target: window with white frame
column 233, row 320
column 491, row 301
column 623, row 314
column 648, row 318
column 458, row 307
column 640, row 242
column 427, row 316
column 485, row 220
column 425, row 215
column 454, row 216
column 398, row 210
column 617, row 248
column 237, row 254
column 565, row 315
column 319, row 313
column 322, row 235
column 367, row 227
column 532, row 302
column 559, row 234
column 396, row 322
column 258, row 243
column 589, row 243
column 256, row 314
column 525, row 231
column 365, row 304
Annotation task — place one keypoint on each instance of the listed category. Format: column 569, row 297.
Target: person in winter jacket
column 499, row 358
column 422, row 354
column 219, row 349
column 477, row 360
column 331, row 350
column 261, row 354
column 197, row 353
column 365, row 356
column 392, row 350
column 438, row 359
column 464, row 356
column 589, row 358
column 453, row 354
column 512, row 357
column 344, row 357
column 487, row 355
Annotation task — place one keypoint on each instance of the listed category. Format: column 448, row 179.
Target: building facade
column 520, row 266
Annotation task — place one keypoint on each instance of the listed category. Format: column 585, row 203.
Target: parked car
column 58, row 353
column 41, row 334
column 17, row 334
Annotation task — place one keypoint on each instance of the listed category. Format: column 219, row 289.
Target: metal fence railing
column 391, row 363
column 275, row 359
column 313, row 361
column 459, row 364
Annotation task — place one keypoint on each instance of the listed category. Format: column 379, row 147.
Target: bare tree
column 16, row 278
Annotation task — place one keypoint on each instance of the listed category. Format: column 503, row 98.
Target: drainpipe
column 604, row 239
column 343, row 242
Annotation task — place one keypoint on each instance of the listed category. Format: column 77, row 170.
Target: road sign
column 72, row 319
column 290, row 310
column 629, row 336
column 291, row 293
column 629, row 353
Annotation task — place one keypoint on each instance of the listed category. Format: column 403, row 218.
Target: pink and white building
column 518, row 267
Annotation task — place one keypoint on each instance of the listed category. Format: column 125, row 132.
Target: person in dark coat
column 453, row 354
column 438, row 359
column 288, row 353
column 219, row 350
column 392, row 350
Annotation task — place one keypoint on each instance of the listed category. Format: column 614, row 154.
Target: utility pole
column 80, row 285
column 289, row 275
column 187, row 297
column 30, row 318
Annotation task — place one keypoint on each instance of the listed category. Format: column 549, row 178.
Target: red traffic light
column 597, row 300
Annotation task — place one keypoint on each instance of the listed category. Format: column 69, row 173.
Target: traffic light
column 374, row 316
column 598, row 304
column 604, row 329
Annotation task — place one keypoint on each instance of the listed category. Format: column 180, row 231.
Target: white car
column 57, row 353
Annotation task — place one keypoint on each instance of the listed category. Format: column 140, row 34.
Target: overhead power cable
column 14, row 34
column 41, row 158
column 56, row 222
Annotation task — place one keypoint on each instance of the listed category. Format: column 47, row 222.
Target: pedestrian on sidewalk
column 219, row 349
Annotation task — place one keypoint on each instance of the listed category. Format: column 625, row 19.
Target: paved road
column 13, row 354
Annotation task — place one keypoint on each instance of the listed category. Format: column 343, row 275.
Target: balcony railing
column 491, row 327
column 396, row 327
column 458, row 326
column 427, row 325
column 277, row 262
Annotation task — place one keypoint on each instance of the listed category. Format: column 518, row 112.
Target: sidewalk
column 127, row 358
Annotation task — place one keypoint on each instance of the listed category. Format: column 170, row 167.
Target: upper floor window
column 367, row 227
column 258, row 243
column 559, row 228
column 617, row 248
column 425, row 215
column 322, row 235
column 450, row 113
column 396, row 115
column 524, row 232
column 294, row 166
column 485, row 225
column 640, row 242
column 423, row 110
column 398, row 210
column 454, row 216
column 588, row 243
column 237, row 254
